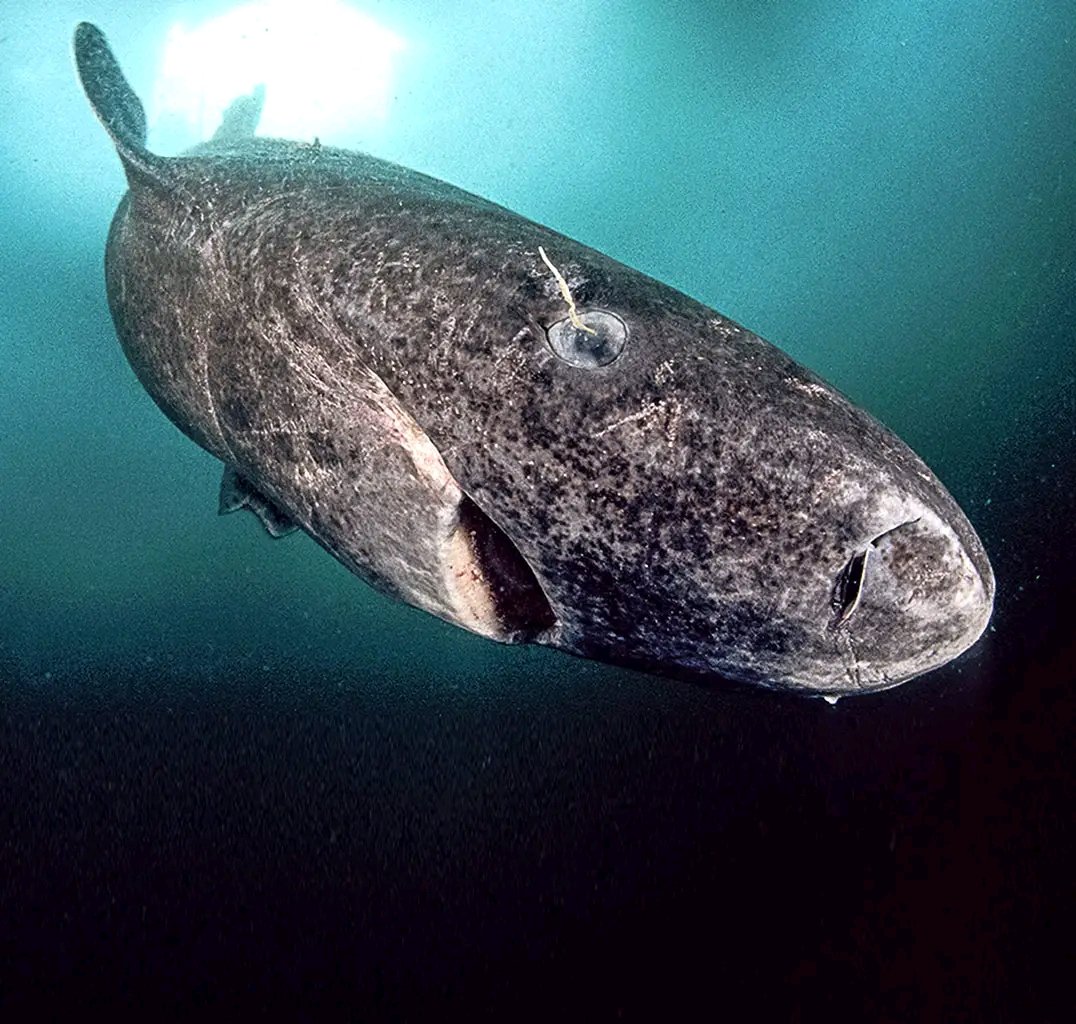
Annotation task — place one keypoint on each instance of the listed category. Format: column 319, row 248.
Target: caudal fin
column 114, row 102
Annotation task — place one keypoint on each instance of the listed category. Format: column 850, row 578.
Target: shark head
column 690, row 499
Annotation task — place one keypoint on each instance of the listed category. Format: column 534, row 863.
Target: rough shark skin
column 370, row 352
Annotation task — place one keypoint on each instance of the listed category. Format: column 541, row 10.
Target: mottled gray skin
column 314, row 317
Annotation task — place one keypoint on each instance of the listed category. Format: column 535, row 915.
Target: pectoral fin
column 236, row 493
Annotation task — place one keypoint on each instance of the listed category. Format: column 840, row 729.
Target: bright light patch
column 327, row 69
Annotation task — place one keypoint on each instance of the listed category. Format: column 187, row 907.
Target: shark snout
column 914, row 597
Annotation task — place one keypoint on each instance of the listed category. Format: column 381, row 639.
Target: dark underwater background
column 234, row 779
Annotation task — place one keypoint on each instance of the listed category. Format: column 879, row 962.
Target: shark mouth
column 365, row 480
column 404, row 523
column 489, row 584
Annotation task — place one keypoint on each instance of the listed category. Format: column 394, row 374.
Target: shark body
column 514, row 432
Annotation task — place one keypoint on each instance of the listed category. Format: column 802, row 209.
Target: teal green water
column 887, row 191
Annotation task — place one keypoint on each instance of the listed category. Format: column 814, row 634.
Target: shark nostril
column 849, row 587
column 894, row 529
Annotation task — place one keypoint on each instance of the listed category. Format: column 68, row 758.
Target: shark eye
column 588, row 349
column 849, row 587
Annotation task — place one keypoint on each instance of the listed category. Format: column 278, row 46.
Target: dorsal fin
column 240, row 120
column 115, row 103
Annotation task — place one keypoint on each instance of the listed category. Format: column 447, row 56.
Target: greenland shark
column 510, row 430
